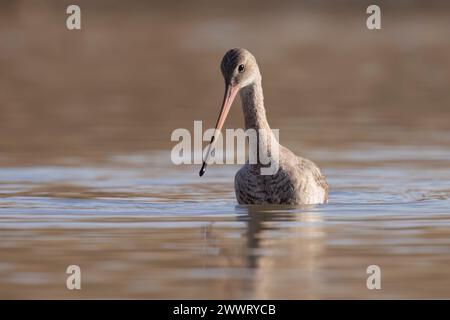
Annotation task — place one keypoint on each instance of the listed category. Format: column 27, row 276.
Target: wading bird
column 297, row 180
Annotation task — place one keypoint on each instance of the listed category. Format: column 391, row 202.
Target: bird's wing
column 319, row 178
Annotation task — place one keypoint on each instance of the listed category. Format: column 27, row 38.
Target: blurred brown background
column 139, row 69
column 371, row 108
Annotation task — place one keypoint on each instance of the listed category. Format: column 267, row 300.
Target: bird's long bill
column 228, row 98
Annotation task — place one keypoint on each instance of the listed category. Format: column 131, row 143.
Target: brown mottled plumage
column 298, row 180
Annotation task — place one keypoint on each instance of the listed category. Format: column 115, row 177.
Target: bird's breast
column 283, row 187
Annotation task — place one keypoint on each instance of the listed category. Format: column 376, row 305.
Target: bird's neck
column 255, row 118
column 253, row 107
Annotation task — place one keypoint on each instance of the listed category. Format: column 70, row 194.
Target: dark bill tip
column 203, row 169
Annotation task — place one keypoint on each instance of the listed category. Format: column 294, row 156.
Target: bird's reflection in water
column 260, row 220
column 282, row 241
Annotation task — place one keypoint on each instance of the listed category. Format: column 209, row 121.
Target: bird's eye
column 241, row 68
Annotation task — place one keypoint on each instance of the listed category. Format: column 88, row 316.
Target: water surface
column 140, row 227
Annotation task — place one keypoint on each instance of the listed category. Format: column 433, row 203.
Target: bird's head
column 239, row 70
